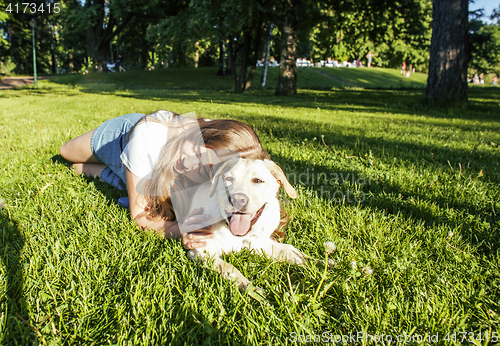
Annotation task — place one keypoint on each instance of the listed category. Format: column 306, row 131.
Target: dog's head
column 244, row 187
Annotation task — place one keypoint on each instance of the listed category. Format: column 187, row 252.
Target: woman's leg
column 97, row 152
column 78, row 151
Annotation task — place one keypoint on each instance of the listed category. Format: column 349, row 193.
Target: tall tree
column 266, row 56
column 395, row 31
column 298, row 17
column 242, row 23
column 484, row 46
column 72, row 33
column 447, row 78
column 106, row 19
column 287, row 80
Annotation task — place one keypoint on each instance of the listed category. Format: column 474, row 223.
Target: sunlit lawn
column 411, row 199
column 378, row 78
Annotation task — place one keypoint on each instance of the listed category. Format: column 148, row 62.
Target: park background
column 411, row 198
column 232, row 35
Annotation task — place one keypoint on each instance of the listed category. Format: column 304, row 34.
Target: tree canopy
column 85, row 34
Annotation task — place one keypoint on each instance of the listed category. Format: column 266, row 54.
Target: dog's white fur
column 260, row 181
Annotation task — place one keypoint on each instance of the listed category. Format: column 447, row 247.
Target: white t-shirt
column 147, row 141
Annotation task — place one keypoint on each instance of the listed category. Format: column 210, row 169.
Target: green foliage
column 393, row 31
column 72, row 36
column 7, row 67
column 16, row 39
column 484, row 46
column 4, row 43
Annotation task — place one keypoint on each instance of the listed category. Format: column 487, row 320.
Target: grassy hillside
column 378, row 78
column 204, row 78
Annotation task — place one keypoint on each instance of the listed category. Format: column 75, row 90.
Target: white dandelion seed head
column 2, row 204
column 329, row 246
column 354, row 265
column 367, row 271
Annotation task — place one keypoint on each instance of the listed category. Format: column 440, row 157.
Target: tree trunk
column 100, row 35
column 112, row 58
column 181, row 55
column 230, row 58
column 266, row 57
column 240, row 80
column 70, row 62
column 222, row 62
column 255, row 57
column 54, row 66
column 232, row 61
column 144, row 52
column 102, row 56
column 447, row 78
column 196, row 54
column 287, row 80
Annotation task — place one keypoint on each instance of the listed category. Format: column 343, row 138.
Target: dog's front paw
column 292, row 255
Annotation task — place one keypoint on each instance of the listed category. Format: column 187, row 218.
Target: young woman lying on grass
column 124, row 151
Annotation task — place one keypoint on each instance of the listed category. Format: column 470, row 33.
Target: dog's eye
column 257, row 181
column 229, row 180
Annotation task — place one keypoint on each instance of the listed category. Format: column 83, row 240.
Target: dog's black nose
column 238, row 201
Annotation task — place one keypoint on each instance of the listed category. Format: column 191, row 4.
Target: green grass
column 308, row 78
column 378, row 78
column 76, row 270
column 190, row 79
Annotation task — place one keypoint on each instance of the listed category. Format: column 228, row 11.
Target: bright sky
column 488, row 6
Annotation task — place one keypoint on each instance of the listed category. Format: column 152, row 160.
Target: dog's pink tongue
column 240, row 224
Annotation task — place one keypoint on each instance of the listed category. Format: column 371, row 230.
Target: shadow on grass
column 17, row 325
column 385, row 150
column 409, row 102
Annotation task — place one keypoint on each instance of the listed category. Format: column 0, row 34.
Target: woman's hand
column 197, row 230
column 195, row 163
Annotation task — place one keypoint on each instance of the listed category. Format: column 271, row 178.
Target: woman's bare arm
column 169, row 229
column 164, row 228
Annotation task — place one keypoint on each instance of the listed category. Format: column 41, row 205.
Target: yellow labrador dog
column 243, row 198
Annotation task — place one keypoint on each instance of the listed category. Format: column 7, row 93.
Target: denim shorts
column 107, row 144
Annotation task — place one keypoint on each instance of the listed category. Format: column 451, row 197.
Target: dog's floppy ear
column 277, row 172
column 217, row 176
